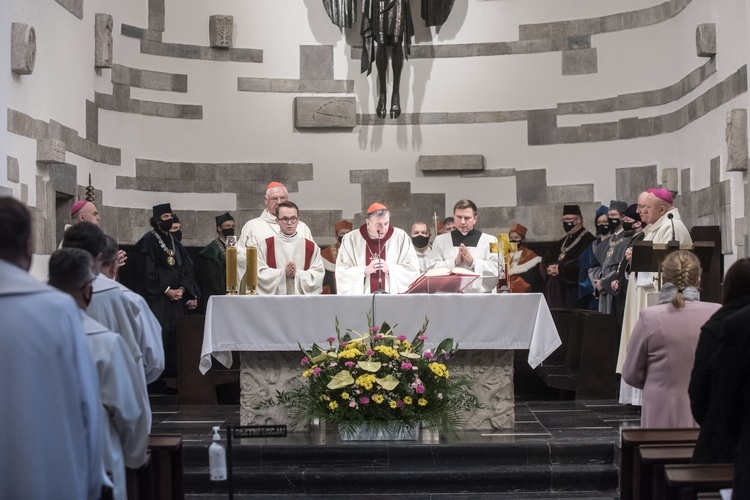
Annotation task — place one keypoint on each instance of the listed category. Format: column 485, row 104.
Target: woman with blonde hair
column 662, row 347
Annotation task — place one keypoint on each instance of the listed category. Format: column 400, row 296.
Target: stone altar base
column 262, row 374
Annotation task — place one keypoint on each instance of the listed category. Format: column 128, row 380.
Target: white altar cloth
column 475, row 321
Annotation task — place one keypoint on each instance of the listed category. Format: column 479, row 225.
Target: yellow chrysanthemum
column 439, row 369
column 366, row 381
column 350, row 353
column 388, row 351
column 307, row 373
column 405, row 345
column 378, row 398
column 408, row 400
column 393, row 404
column 422, row 402
column 344, row 395
column 333, row 405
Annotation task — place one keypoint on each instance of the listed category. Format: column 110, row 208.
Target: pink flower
column 374, row 328
column 377, row 336
column 400, row 404
column 316, row 370
column 304, row 361
column 352, row 404
column 419, row 389
column 350, row 363
column 406, row 365
column 401, row 337
column 330, row 339
column 333, row 364
column 440, row 395
column 364, row 400
column 422, row 337
column 369, row 352
column 343, row 343
column 428, row 355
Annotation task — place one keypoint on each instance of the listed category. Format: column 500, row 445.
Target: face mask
column 628, row 226
column 165, row 225
column 88, row 299
column 177, row 235
column 602, row 229
column 339, row 239
column 228, row 232
column 567, row 226
column 420, row 241
column 613, row 223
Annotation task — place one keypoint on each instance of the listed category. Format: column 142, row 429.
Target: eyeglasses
column 289, row 220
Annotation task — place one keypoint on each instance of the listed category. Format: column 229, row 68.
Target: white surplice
column 426, row 259
column 485, row 262
column 639, row 287
column 403, row 264
column 254, row 233
column 51, row 433
column 274, row 281
column 126, row 411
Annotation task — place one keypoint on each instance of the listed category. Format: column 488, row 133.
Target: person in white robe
column 126, row 412
column 468, row 248
column 289, row 264
column 148, row 332
column 51, row 433
column 376, row 257
column 655, row 206
column 108, row 305
column 420, row 238
column 256, row 231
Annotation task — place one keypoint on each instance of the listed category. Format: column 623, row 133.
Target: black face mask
column 177, row 235
column 228, row 232
column 628, row 226
column 88, row 299
column 420, row 241
column 567, row 226
column 602, row 229
column 165, row 225
column 613, row 223
column 339, row 239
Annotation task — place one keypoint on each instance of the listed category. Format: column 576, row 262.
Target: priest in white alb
column 256, row 231
column 655, row 207
column 467, row 248
column 288, row 263
column 376, row 258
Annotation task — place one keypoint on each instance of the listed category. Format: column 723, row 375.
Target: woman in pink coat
column 661, row 352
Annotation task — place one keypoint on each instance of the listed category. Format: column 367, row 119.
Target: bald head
column 87, row 213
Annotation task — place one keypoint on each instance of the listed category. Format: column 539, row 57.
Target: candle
column 231, row 263
column 252, row 266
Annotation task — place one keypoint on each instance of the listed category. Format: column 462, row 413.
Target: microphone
column 380, row 271
column 673, row 243
column 671, row 219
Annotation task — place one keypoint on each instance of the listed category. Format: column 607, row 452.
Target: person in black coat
column 714, row 444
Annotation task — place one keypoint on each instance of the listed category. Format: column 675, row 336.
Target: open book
column 443, row 280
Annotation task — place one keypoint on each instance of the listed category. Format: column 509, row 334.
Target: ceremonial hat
column 342, row 224
column 164, row 208
column 632, row 212
column 662, row 194
column 77, row 206
column 221, row 219
column 571, row 210
column 620, row 206
column 375, row 207
column 600, row 211
column 518, row 228
column 274, row 184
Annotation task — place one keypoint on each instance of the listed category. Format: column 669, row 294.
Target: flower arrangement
column 380, row 378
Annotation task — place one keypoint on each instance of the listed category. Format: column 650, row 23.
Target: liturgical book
column 443, row 280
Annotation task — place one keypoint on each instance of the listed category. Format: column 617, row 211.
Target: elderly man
column 376, row 258
column 467, row 248
column 330, row 254
column 524, row 263
column 50, row 411
column 125, row 407
column 289, row 264
column 559, row 267
column 210, row 268
column 256, row 231
column 655, row 207
column 420, row 238
column 609, row 255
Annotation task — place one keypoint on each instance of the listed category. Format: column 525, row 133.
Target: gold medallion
column 561, row 256
column 170, row 260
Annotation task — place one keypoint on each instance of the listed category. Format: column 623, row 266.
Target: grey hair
column 379, row 213
column 70, row 269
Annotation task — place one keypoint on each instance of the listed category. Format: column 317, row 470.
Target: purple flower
column 350, row 363
column 422, row 337
column 316, row 370
column 419, row 389
column 406, row 365
column 428, row 355
column 364, row 400
column 369, row 352
column 304, row 361
column 330, row 339
column 400, row 404
column 343, row 343
column 374, row 328
column 401, row 337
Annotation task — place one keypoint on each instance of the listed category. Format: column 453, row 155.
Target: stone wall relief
column 22, row 48
column 221, row 29
column 103, row 41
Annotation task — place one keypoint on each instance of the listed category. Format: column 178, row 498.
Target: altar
column 488, row 327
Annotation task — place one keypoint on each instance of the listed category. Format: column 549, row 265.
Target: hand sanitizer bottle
column 217, row 458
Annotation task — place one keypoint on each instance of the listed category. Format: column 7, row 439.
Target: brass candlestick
column 252, row 270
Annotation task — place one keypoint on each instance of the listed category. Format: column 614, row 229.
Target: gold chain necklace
column 170, row 253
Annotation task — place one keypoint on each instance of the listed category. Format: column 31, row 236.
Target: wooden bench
column 685, row 481
column 590, row 358
column 162, row 476
column 650, row 467
column 632, row 439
